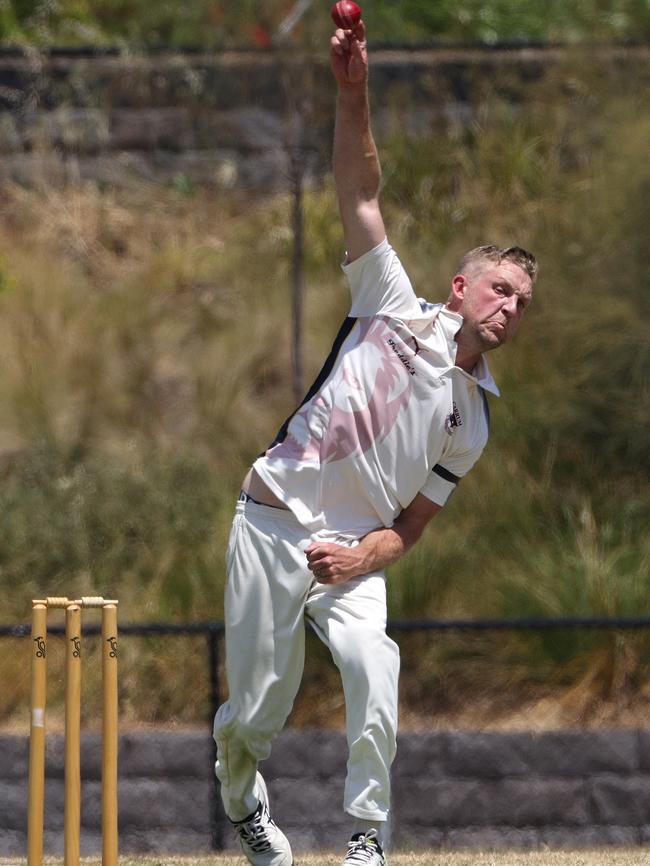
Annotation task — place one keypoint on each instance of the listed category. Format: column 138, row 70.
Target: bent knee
column 231, row 733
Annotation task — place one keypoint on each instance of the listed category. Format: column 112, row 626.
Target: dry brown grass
column 603, row 857
column 433, row 858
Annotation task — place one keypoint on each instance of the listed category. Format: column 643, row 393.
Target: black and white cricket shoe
column 364, row 850
column 261, row 839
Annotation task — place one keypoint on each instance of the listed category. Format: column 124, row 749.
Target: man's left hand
column 334, row 563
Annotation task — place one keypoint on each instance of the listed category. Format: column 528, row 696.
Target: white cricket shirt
column 389, row 415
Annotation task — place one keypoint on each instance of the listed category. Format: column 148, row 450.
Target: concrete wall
column 451, row 790
column 223, row 120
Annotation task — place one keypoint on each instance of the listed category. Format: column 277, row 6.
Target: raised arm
column 357, row 172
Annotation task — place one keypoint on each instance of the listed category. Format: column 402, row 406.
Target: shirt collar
column 450, row 324
column 484, row 378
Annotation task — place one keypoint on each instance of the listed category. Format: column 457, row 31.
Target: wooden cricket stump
column 72, row 784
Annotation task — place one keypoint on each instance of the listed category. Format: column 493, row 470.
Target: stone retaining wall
column 223, row 120
column 451, row 790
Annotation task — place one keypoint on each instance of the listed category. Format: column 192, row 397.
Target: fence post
column 218, row 816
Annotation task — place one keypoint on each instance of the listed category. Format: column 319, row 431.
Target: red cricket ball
column 346, row 14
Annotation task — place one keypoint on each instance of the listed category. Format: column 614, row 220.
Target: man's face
column 494, row 300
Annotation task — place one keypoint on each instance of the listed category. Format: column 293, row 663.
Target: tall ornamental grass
column 144, row 349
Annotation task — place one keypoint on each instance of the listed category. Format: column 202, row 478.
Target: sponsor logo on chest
column 404, row 358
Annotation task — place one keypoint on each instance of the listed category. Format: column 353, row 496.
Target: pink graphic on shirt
column 360, row 403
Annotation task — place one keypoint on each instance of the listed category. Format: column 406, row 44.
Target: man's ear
column 458, row 292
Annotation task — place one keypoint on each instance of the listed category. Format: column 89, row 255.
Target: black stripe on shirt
column 446, row 474
column 326, row 369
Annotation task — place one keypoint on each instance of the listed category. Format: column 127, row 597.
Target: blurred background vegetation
column 214, row 23
column 145, row 358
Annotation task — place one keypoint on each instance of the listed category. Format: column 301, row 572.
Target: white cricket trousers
column 269, row 593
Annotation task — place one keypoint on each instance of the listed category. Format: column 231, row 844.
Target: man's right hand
column 349, row 57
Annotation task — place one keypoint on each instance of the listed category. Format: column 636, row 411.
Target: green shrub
column 253, row 22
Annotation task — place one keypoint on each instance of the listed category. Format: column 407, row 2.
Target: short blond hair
column 491, row 253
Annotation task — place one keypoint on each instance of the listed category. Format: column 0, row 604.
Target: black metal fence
column 213, row 631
